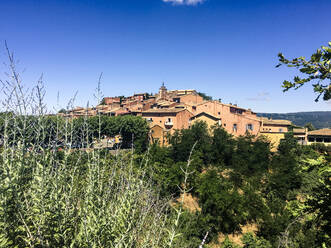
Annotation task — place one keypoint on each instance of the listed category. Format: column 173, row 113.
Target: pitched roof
column 206, row 114
column 299, row 130
column 204, row 102
column 277, row 122
column 223, row 104
column 248, row 117
column 322, row 132
column 156, row 126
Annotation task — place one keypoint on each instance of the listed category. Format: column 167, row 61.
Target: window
column 234, row 127
column 224, row 124
column 280, row 130
column 249, row 127
column 219, row 113
column 150, row 119
column 169, row 120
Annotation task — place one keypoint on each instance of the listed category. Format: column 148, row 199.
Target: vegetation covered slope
column 64, row 197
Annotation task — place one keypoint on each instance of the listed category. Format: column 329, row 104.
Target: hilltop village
column 169, row 110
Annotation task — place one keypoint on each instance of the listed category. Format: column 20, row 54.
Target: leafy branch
column 317, row 69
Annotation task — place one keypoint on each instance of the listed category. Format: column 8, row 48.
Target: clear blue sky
column 225, row 48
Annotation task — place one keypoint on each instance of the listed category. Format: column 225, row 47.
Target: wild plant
column 55, row 195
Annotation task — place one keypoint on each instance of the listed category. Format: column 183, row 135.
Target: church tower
column 163, row 92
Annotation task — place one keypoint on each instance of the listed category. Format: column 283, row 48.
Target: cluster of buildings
column 170, row 110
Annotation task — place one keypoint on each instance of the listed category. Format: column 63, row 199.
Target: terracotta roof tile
column 206, row 114
column 324, row 132
column 277, row 122
column 299, row 130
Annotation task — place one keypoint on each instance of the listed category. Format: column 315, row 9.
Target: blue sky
column 225, row 48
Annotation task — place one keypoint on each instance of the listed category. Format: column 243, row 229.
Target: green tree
column 221, row 204
column 320, row 202
column 317, row 70
column 222, row 146
column 251, row 158
column 204, row 96
column 285, row 176
column 227, row 243
column 250, row 241
column 310, row 126
column 62, row 111
column 182, row 141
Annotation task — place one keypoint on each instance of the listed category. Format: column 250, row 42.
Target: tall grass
column 69, row 198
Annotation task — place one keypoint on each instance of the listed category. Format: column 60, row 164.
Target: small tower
column 162, row 92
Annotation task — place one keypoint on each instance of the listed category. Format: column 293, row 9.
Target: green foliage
column 205, row 97
column 222, row 146
column 317, row 70
column 221, row 205
column 80, row 199
column 228, row 244
column 250, row 241
column 46, row 130
column 320, row 202
column 251, row 158
column 309, row 126
column 182, row 141
column 62, row 111
column 193, row 229
column 77, row 200
column 285, row 176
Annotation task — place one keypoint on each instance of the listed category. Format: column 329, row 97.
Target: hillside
column 320, row 119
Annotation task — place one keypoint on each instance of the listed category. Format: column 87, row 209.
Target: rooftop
column 299, row 130
column 166, row 110
column 276, row 122
column 206, row 114
column 324, row 132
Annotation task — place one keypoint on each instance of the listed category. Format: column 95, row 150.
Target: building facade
column 170, row 110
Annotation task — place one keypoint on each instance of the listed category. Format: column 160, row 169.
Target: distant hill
column 320, row 119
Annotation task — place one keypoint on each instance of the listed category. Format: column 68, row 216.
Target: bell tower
column 162, row 92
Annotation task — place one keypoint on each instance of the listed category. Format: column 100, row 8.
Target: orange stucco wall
column 229, row 118
column 180, row 119
column 110, row 100
column 213, row 107
column 191, row 99
column 274, row 128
